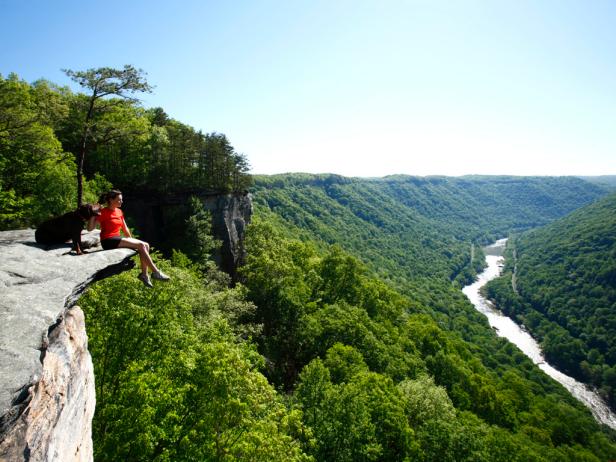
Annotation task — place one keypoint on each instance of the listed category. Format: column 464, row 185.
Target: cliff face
column 160, row 220
column 55, row 423
column 46, row 377
column 230, row 216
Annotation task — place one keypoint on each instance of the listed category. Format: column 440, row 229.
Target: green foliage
column 409, row 228
column 335, row 338
column 199, row 242
column 307, row 303
column 46, row 131
column 28, row 147
column 172, row 380
column 344, row 362
column 100, row 120
column 362, row 419
column 37, row 179
column 607, row 181
column 329, row 323
column 426, row 401
column 170, row 156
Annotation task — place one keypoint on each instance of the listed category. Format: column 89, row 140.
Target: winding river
column 517, row 335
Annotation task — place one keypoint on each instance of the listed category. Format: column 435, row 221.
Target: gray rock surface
column 37, row 286
column 56, row 421
column 230, row 216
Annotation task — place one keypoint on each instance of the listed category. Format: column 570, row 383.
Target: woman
column 111, row 220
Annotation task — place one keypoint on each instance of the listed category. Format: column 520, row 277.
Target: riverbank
column 507, row 328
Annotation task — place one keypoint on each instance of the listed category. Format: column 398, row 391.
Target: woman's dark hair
column 107, row 196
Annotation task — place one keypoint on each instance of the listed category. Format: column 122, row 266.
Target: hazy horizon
column 433, row 175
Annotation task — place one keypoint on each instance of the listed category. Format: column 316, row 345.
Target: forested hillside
column 315, row 349
column 608, row 181
column 418, row 235
column 314, row 359
column 565, row 292
column 409, row 228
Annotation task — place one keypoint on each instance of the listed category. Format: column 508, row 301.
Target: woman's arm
column 91, row 223
column 125, row 228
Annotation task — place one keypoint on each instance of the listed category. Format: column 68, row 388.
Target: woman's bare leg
column 143, row 248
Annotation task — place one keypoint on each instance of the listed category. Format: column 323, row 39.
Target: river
column 517, row 335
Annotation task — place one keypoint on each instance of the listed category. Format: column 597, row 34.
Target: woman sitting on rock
column 111, row 221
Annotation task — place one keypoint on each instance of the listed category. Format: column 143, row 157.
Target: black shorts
column 111, row 242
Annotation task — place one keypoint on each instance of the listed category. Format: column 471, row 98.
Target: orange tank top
column 111, row 222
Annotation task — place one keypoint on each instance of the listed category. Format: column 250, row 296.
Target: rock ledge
column 46, row 377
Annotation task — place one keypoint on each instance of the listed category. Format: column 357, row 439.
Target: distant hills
column 602, row 180
column 319, row 252
column 408, row 227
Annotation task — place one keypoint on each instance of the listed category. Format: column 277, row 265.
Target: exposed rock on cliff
column 230, row 216
column 160, row 220
column 46, row 376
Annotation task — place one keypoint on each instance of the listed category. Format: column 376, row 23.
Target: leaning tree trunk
column 82, row 148
column 80, row 159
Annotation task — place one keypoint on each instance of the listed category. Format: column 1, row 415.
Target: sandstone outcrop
column 230, row 216
column 46, row 377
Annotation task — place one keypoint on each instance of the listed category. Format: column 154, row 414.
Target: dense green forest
column 338, row 362
column 347, row 338
column 565, row 292
column 312, row 359
column 42, row 134
column 608, row 181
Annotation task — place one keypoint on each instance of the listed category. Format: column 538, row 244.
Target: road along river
column 517, row 335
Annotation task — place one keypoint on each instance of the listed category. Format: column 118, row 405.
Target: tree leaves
column 173, row 382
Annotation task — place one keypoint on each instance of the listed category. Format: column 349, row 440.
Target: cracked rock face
column 56, row 421
column 230, row 216
column 46, row 379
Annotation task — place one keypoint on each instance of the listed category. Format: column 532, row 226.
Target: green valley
column 565, row 292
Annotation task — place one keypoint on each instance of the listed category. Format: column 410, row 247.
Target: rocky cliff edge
column 47, row 394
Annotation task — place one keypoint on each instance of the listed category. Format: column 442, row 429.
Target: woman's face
column 116, row 201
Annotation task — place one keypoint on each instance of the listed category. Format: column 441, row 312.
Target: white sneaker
column 160, row 276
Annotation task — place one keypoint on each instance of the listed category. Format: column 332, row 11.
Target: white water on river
column 517, row 335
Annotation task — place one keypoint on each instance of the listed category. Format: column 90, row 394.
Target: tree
column 103, row 82
column 35, row 174
column 200, row 242
column 241, row 179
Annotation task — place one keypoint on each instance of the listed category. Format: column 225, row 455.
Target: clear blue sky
column 359, row 88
